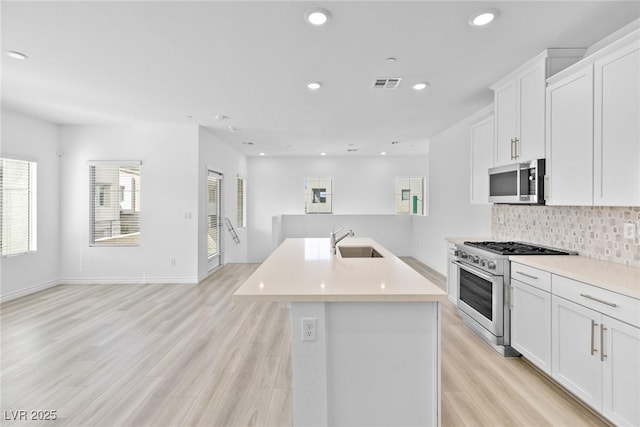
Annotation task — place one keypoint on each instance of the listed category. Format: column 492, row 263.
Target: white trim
column 186, row 280
column 28, row 291
column 115, row 162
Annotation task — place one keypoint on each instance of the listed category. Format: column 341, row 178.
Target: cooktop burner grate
column 516, row 248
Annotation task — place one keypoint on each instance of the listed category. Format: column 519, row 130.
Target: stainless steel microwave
column 519, row 183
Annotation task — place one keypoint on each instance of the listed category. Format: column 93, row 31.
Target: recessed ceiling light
column 391, row 59
column 483, row 17
column 317, row 17
column 314, row 85
column 323, row 154
column 248, row 143
column 395, row 142
column 16, row 55
column 383, row 153
column 221, row 117
column 352, row 149
column 188, row 117
column 420, row 86
column 262, row 154
column 232, row 128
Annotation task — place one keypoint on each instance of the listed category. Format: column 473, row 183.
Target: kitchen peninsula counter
column 374, row 354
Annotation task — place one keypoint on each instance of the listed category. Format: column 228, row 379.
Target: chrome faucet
column 335, row 240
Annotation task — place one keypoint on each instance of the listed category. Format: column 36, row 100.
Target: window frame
column 32, row 220
column 93, row 195
column 241, row 214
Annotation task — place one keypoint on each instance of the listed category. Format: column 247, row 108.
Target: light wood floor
column 181, row 355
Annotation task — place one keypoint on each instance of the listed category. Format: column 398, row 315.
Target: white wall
column 450, row 212
column 361, row 185
column 169, row 204
column 214, row 154
column 391, row 231
column 32, row 139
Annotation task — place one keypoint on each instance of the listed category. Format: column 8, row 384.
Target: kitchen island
column 365, row 333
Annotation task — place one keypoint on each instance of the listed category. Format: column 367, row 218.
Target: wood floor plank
column 189, row 355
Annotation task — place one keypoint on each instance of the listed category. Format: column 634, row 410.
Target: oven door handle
column 475, row 271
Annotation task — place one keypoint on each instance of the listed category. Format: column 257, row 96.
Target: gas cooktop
column 517, row 248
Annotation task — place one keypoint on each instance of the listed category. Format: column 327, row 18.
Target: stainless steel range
column 483, row 279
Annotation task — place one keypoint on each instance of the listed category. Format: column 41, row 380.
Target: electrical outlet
column 629, row 230
column 172, row 262
column 500, row 219
column 309, row 329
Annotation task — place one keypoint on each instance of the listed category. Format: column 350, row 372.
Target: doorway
column 214, row 219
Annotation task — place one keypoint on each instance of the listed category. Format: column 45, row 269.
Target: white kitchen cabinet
column 481, row 159
column 621, row 372
column 519, row 103
column 596, row 348
column 617, row 128
column 531, row 324
column 593, row 130
column 575, row 359
column 569, row 165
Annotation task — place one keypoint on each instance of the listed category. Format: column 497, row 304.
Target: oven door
column 480, row 295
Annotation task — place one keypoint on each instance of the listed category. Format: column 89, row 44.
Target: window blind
column 18, row 205
column 115, row 203
column 241, row 203
column 213, row 213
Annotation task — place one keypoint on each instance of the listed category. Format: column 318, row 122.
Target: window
column 18, row 201
column 410, row 196
column 115, row 203
column 242, row 202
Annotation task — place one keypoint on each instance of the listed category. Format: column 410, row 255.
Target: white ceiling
column 160, row 61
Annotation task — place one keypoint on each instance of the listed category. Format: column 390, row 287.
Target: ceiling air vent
column 388, row 83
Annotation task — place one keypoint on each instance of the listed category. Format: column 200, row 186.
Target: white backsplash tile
column 595, row 232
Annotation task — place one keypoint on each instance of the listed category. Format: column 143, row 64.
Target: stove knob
column 475, row 259
column 491, row 265
column 457, row 252
column 483, row 262
column 464, row 255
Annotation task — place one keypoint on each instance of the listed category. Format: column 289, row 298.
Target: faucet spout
column 335, row 239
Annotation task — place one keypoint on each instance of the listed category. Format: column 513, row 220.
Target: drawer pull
column 593, row 347
column 599, row 300
column 527, row 275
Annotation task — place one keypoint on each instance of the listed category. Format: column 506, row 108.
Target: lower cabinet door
column 531, row 324
column 575, row 355
column 621, row 372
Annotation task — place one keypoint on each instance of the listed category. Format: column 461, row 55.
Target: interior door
column 214, row 219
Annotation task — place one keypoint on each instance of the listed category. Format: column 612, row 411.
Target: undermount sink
column 358, row 252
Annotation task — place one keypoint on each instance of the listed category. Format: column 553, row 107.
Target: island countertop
column 302, row 270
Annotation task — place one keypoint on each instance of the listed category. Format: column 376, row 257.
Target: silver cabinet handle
column 599, row 300
column 513, row 154
column 515, row 145
column 593, row 347
column 602, row 355
column 527, row 275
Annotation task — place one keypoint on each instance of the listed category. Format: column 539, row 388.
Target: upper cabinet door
column 481, row 159
column 617, row 128
column 531, row 103
column 570, row 140
column 506, row 113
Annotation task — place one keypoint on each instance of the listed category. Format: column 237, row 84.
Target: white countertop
column 306, row 270
column 620, row 278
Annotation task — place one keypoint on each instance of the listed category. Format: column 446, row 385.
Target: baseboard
column 28, row 291
column 189, row 280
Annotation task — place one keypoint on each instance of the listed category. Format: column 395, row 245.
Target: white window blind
column 18, row 205
column 242, row 203
column 213, row 213
column 115, row 203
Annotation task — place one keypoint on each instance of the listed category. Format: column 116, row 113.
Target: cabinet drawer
column 532, row 276
column 612, row 304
